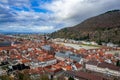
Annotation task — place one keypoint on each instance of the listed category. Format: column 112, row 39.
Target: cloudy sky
column 49, row 15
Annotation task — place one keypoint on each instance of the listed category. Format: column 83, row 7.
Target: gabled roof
column 104, row 65
column 78, row 65
column 84, row 75
column 92, row 62
column 109, row 66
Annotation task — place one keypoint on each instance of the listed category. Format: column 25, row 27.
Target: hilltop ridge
column 102, row 28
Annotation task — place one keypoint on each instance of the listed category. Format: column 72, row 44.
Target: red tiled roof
column 85, row 75
column 7, row 48
column 104, row 65
column 68, row 67
column 78, row 65
column 109, row 66
column 38, row 70
column 92, row 62
column 25, row 60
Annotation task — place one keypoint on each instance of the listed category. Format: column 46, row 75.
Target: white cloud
column 72, row 12
column 65, row 13
column 63, row 8
column 4, row 6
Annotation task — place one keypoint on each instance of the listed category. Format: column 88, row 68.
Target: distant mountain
column 102, row 28
column 12, row 33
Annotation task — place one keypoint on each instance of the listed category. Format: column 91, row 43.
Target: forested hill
column 102, row 28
